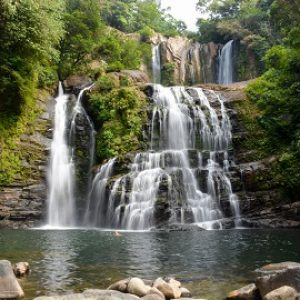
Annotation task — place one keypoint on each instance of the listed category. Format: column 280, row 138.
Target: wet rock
column 179, row 227
column 289, row 276
column 283, row 293
column 137, row 287
column 279, row 266
column 248, row 292
column 121, row 286
column 185, row 293
column 9, row 285
column 21, row 269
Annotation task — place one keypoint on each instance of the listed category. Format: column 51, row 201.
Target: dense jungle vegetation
column 42, row 41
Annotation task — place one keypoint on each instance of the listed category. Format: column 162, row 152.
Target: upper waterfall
column 156, row 65
column 226, row 64
column 184, row 177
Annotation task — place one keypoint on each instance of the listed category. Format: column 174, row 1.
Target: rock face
column 9, row 285
column 22, row 203
column 185, row 62
column 262, row 203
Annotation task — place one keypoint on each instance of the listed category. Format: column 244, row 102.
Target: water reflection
column 210, row 263
column 144, row 250
column 57, row 265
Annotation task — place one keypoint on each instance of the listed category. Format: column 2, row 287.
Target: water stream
column 156, row 65
column 226, row 64
column 61, row 208
column 61, row 171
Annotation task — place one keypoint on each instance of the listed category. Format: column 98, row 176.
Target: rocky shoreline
column 278, row 281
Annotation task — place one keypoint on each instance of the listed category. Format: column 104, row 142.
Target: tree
column 83, row 30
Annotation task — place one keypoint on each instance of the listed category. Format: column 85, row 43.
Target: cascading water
column 226, row 64
column 61, row 200
column 187, row 168
column 156, row 67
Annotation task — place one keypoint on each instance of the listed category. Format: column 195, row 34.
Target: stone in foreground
column 21, row 269
column 248, row 292
column 137, row 287
column 9, row 285
column 283, row 293
column 285, row 276
column 92, row 294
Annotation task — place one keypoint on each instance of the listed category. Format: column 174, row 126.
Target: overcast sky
column 184, row 10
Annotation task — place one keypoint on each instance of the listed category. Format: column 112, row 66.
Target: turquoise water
column 210, row 263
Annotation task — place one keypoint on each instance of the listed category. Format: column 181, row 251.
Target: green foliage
column 136, row 15
column 247, row 20
column 83, row 30
column 30, row 34
column 120, row 114
column 121, row 52
column 276, row 94
column 167, row 74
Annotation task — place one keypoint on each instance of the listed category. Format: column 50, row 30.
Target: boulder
column 248, row 292
column 185, row 293
column 279, row 266
column 67, row 297
column 137, row 287
column 173, row 282
column 152, row 297
column 108, row 295
column 175, row 285
column 92, row 294
column 21, row 269
column 170, row 292
column 190, row 299
column 9, row 285
column 281, row 277
column 154, row 290
column 121, row 286
column 283, row 293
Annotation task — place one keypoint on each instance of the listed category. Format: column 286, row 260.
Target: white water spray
column 226, row 64
column 61, row 199
column 156, row 65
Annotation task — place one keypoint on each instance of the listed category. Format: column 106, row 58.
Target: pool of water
column 209, row 263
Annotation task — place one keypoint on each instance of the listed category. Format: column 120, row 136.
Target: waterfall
column 61, row 172
column 61, row 199
column 156, row 67
column 185, row 175
column 225, row 64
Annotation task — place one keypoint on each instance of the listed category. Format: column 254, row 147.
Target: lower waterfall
column 184, row 177
column 62, row 208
